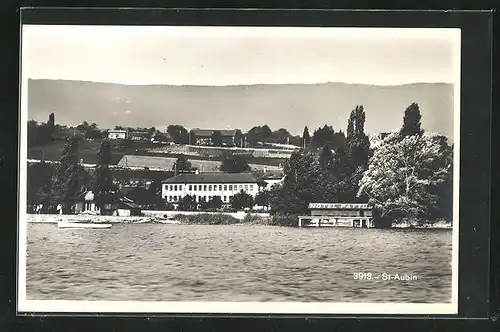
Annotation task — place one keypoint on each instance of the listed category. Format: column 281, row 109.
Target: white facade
column 117, row 134
column 203, row 192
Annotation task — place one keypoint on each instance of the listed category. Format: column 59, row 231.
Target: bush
column 282, row 219
column 206, row 219
column 257, row 220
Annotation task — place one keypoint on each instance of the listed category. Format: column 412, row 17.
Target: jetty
column 338, row 215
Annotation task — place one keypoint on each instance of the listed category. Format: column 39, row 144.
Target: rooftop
column 209, row 132
column 272, row 175
column 213, row 178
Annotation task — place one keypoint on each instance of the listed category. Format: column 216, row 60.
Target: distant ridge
column 290, row 106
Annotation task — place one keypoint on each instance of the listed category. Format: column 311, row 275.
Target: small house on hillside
column 140, row 136
column 117, row 134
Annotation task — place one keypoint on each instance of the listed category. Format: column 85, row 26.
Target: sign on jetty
column 338, row 215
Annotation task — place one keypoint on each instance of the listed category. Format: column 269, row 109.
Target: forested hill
column 279, row 106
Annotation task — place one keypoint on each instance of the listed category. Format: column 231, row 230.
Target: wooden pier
column 338, row 215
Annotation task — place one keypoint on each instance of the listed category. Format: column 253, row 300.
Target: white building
column 207, row 185
column 117, row 134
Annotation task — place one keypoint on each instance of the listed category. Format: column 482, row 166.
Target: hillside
column 279, row 106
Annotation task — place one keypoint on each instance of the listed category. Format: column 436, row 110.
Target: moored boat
column 66, row 224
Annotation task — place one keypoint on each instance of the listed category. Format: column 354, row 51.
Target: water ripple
column 225, row 263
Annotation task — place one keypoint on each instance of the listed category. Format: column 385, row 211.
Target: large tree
column 38, row 184
column 216, row 138
column 179, row 134
column 358, row 143
column 241, row 201
column 66, row 182
column 403, row 176
column 51, row 124
column 188, row 203
column 262, row 198
column 182, row 164
column 234, row 164
column 305, row 137
column 102, row 184
column 412, row 121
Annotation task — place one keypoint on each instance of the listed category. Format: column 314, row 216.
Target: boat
column 66, row 224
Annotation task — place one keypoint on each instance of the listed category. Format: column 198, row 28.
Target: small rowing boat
column 65, row 224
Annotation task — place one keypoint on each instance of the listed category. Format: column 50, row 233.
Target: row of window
column 209, row 187
column 225, row 199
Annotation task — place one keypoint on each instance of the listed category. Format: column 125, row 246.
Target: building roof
column 117, row 131
column 344, row 206
column 209, row 132
column 272, row 175
column 213, row 178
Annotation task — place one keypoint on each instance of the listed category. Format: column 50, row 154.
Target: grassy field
column 88, row 152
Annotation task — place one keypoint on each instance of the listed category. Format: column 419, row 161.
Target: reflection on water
column 151, row 262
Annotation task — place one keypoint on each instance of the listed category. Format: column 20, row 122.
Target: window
column 170, row 187
column 175, row 188
column 190, row 187
column 230, row 187
column 246, row 187
column 224, row 198
column 205, row 187
column 195, row 187
column 181, row 187
column 225, row 187
column 175, row 198
column 210, row 188
column 220, row 187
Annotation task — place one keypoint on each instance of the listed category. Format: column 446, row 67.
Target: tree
column 51, row 124
column 411, row 121
column 238, row 138
column 241, row 201
column 38, row 183
column 358, row 143
column 192, row 137
column 262, row 198
column 92, row 132
column 214, row 203
column 298, row 187
column 216, row 138
column 234, row 164
column 179, row 134
column 103, row 181
column 281, row 136
column 326, row 158
column 259, row 134
column 66, row 182
column 182, row 164
column 306, row 137
column 403, row 176
column 188, row 203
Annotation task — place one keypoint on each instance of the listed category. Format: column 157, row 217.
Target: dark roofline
column 212, row 178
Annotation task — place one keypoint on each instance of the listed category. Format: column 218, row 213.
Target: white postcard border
column 61, row 306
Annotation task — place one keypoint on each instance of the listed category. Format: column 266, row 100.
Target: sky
column 219, row 56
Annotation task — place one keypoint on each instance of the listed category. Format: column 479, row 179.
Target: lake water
column 154, row 262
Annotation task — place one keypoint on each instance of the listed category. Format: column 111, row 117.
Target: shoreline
column 197, row 218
